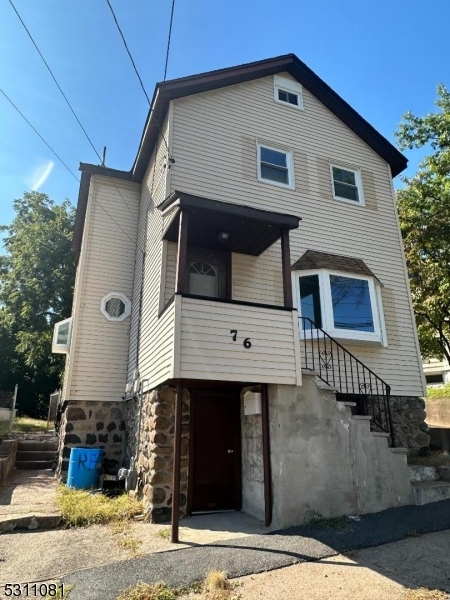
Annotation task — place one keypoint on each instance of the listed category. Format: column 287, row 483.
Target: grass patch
column 80, row 508
column 164, row 533
column 29, row 425
column 215, row 587
column 314, row 520
column 424, row 594
column 436, row 458
column 442, row 391
column 67, row 590
column 130, row 543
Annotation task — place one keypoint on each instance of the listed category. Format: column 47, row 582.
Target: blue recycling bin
column 84, row 468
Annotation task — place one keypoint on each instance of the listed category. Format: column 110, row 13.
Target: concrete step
column 28, row 446
column 423, row 473
column 426, row 492
column 35, row 455
column 34, row 465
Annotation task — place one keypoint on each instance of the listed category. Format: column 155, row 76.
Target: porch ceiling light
column 223, row 236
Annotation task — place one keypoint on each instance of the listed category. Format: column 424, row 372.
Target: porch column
column 286, row 267
column 180, row 278
column 176, row 463
column 266, row 454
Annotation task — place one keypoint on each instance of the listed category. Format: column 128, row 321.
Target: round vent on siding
column 115, row 306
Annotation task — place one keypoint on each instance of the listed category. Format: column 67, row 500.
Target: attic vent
column 115, row 306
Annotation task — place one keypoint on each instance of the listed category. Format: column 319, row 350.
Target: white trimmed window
column 344, row 305
column 347, row 185
column 275, row 166
column 287, row 92
column 62, row 334
column 115, row 307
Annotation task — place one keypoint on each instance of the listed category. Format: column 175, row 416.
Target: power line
column 37, row 133
column 62, row 162
column 67, row 100
column 169, row 39
column 137, row 72
column 128, row 50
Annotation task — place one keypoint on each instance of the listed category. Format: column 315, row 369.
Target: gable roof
column 213, row 80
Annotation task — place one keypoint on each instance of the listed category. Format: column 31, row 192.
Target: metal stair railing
column 355, row 382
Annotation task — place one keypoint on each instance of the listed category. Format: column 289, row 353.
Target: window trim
column 378, row 336
column 289, row 165
column 62, row 348
column 120, row 296
column 358, row 181
column 292, row 87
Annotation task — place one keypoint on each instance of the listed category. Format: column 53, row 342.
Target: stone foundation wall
column 408, row 416
column 91, row 424
column 155, row 461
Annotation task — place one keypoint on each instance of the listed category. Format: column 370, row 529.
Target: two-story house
column 242, row 331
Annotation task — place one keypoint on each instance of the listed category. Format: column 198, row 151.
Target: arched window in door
column 203, row 279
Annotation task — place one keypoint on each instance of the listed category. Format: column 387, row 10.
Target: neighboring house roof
column 312, row 259
column 187, row 86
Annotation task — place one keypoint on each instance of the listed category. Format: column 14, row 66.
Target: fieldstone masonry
column 93, row 424
column 155, row 460
column 408, row 416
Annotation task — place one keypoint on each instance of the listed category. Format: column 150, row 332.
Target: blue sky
column 382, row 57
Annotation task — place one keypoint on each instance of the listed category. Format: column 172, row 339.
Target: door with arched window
column 206, row 275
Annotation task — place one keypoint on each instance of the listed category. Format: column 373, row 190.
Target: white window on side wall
column 346, row 306
column 287, row 92
column 62, row 334
column 347, row 185
column 275, row 166
column 115, row 307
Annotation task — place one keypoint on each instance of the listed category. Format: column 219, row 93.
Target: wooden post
column 180, row 278
column 266, row 455
column 286, row 267
column 176, row 463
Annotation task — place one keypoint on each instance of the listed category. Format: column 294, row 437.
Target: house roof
column 312, row 259
column 204, row 82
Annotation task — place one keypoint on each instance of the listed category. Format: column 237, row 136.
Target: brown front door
column 215, row 465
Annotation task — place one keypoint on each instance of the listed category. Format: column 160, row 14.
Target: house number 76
column 247, row 343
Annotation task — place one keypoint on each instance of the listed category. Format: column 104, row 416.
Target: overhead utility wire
column 68, row 103
column 61, row 161
column 136, row 69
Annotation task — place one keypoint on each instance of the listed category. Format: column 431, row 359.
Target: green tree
column 36, row 287
column 424, row 212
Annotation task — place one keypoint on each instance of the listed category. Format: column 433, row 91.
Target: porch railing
column 355, row 382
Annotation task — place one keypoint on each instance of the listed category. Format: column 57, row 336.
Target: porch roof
column 250, row 230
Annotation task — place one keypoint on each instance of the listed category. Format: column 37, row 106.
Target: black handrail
column 355, row 382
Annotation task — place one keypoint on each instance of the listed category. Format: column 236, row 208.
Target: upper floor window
column 347, row 185
column 275, row 166
column 345, row 306
column 286, row 91
column 62, row 334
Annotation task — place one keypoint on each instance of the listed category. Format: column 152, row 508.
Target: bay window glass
column 352, row 308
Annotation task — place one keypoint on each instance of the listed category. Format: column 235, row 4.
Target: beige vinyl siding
column 155, row 361
column 207, row 349
column 98, row 360
column 214, row 145
column 171, row 268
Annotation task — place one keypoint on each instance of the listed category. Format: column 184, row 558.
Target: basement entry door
column 215, row 457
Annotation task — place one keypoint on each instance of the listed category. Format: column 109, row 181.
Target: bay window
column 346, row 306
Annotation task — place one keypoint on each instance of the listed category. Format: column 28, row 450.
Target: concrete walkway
column 259, row 553
column 28, row 500
column 381, row 573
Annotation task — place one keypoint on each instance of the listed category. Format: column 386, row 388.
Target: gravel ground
column 259, row 553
